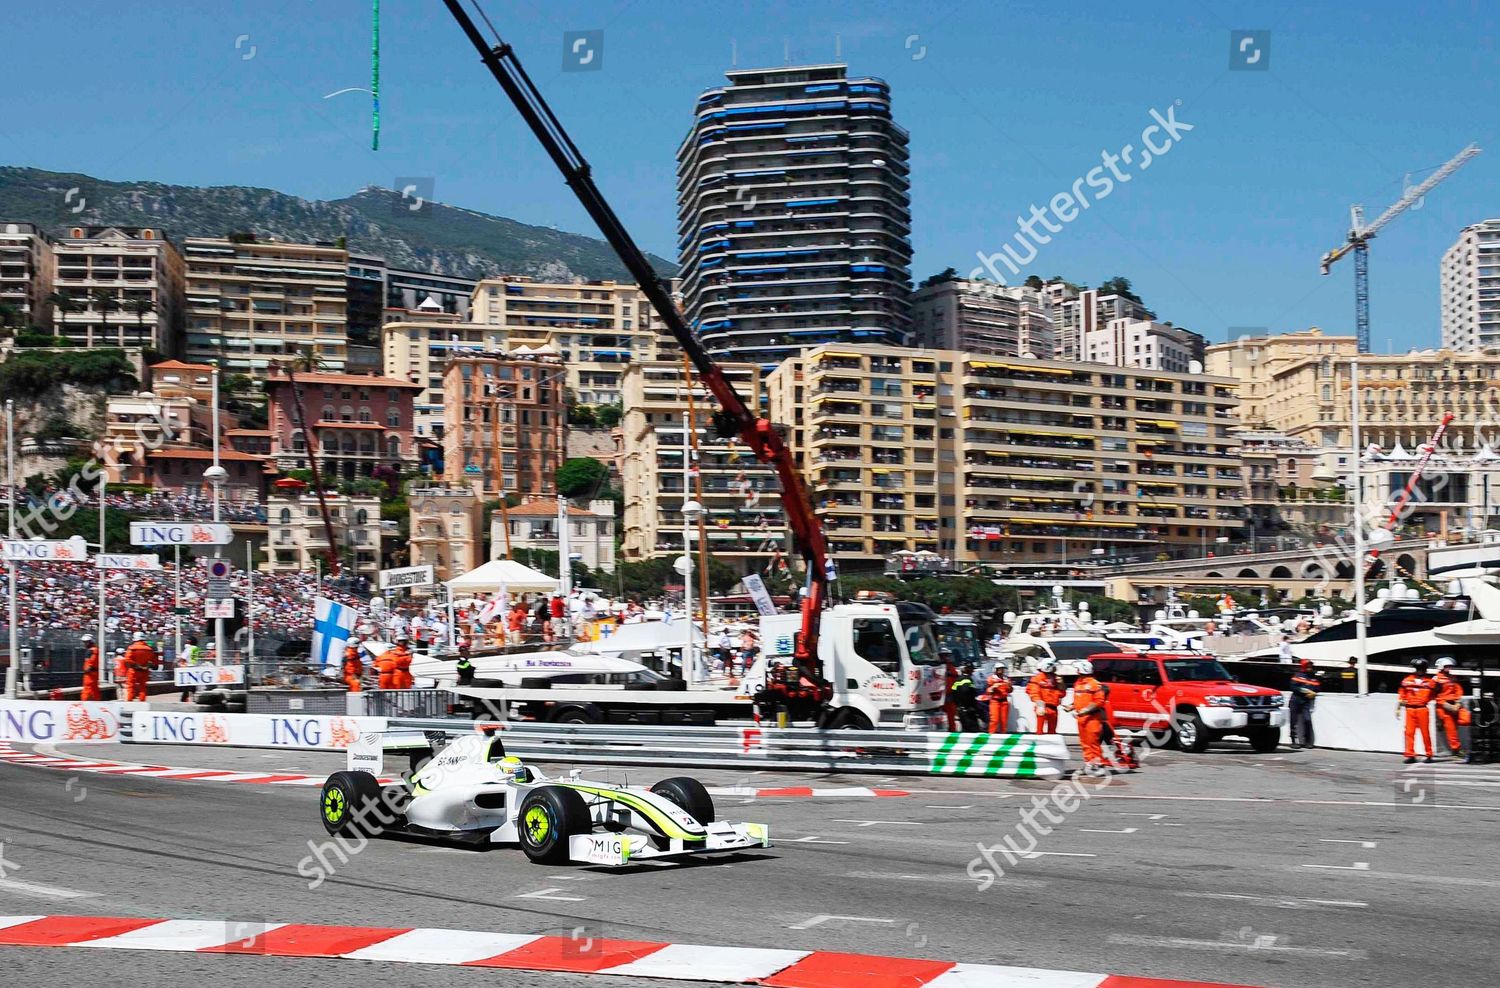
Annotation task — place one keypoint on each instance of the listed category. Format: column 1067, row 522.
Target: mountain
column 434, row 237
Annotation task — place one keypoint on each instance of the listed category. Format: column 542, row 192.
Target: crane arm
column 736, row 417
column 1360, row 233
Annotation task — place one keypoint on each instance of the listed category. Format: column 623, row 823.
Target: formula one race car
column 471, row 791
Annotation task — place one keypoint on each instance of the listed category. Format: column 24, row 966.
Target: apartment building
column 1034, row 461
column 297, row 539
column 596, row 327
column 416, row 347
column 124, row 283
column 445, row 529
column 794, row 214
column 1469, row 279
column 252, row 302
column 983, row 317
column 744, row 522
column 406, row 288
column 533, row 525
column 1076, row 312
column 1300, row 385
column 360, row 422
column 1144, row 343
column 27, row 268
column 506, row 422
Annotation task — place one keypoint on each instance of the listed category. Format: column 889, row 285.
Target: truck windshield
column 920, row 643
column 1201, row 670
column 962, row 640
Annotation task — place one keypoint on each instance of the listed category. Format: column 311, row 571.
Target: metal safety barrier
column 805, row 749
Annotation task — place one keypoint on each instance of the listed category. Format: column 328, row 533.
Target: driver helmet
column 510, row 764
column 1085, row 667
column 1445, row 662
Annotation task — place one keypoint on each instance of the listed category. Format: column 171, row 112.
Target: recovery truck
column 881, row 660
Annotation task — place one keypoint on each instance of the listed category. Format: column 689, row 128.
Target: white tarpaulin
column 58, row 720
column 648, row 636
column 506, row 573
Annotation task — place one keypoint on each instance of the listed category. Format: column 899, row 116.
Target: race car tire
column 349, row 804
column 1265, row 740
column 549, row 816
column 690, row 795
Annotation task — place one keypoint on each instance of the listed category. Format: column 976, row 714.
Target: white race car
column 470, row 790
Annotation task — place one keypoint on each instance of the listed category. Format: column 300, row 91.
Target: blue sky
column 1007, row 105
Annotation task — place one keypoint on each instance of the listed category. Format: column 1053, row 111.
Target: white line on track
column 873, row 823
column 1366, row 844
column 949, row 806
column 1262, row 945
column 811, row 839
column 44, row 891
column 822, row 918
column 1356, row 866
column 1006, row 880
column 1127, row 830
column 549, row 895
column 1280, row 903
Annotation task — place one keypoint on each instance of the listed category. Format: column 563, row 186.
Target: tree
column 609, row 415
column 582, row 416
column 64, row 304
column 142, row 307
column 307, row 360
column 1119, row 286
column 582, row 476
column 947, row 274
column 10, row 316
column 105, row 302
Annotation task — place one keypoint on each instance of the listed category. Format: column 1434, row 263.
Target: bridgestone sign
column 408, row 576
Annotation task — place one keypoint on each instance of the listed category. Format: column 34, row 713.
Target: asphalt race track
column 1295, row 869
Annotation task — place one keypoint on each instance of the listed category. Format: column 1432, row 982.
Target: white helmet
column 1084, row 667
column 354, row 641
column 1048, row 665
column 85, row 638
column 1444, row 662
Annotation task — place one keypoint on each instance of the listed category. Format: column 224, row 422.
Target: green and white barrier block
column 1013, row 756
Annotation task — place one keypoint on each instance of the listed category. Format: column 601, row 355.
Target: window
column 285, row 517
column 393, row 418
column 875, row 642
column 361, row 517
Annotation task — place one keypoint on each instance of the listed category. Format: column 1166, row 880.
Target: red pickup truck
column 1191, row 695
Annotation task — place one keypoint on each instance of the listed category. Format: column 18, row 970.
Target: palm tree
column 141, row 307
column 63, row 303
column 105, row 301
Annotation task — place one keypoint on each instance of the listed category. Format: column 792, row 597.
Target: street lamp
column 214, row 477
column 691, row 509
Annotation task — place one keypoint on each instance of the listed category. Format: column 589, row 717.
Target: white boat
column 561, row 669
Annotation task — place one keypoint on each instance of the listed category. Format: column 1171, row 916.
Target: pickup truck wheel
column 1188, row 728
column 548, row 817
column 1265, row 739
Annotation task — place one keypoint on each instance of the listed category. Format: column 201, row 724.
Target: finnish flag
column 333, row 623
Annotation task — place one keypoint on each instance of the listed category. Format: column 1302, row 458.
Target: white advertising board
column 207, row 675
column 179, row 533
column 407, row 576
column 59, row 720
column 253, row 730
column 367, row 754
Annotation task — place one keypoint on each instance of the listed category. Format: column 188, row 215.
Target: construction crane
column 1360, row 236
column 735, row 417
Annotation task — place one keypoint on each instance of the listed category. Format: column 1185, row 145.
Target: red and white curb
column 68, row 763
column 523, row 952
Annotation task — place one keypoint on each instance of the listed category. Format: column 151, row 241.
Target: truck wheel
column 850, row 720
column 1265, row 739
column 1189, row 731
column 350, row 804
column 573, row 715
column 690, row 795
column 549, row 816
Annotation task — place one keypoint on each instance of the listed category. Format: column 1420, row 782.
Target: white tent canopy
column 503, row 572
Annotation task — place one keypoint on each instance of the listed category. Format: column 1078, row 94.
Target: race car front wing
column 622, row 849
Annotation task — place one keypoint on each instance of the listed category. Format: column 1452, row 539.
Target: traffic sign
column 217, row 566
column 74, row 550
column 127, row 560
column 218, row 588
column 179, row 533
column 218, row 608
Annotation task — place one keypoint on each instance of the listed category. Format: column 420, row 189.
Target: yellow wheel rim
column 333, row 805
column 538, row 824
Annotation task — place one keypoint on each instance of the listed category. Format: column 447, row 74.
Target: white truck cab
column 881, row 659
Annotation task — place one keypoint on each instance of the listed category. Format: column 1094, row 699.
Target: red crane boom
column 735, row 416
